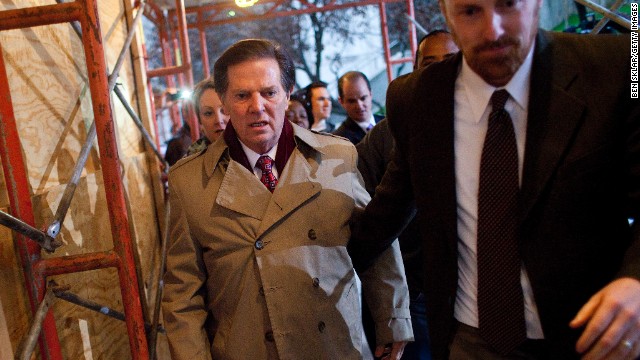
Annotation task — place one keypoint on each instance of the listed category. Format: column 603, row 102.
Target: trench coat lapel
column 555, row 114
column 242, row 192
column 295, row 187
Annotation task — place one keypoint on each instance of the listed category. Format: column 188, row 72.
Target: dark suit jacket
column 581, row 181
column 374, row 153
column 352, row 131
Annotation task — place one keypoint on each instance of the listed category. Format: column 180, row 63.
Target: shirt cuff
column 398, row 328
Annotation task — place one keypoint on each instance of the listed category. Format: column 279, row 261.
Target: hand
column 390, row 351
column 612, row 319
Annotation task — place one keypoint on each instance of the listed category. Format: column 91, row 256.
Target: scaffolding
column 30, row 240
column 607, row 14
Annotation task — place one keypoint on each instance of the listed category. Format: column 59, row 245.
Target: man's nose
column 493, row 26
column 256, row 103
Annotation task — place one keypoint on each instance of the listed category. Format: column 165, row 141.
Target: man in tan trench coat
column 257, row 265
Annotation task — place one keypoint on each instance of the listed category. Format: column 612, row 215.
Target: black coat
column 351, row 130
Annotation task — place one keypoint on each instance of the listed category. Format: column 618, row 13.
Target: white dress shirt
column 472, row 108
column 320, row 125
column 364, row 125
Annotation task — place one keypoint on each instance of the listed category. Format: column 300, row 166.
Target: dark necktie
column 265, row 163
column 500, row 299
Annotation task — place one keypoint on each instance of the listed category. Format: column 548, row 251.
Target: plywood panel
column 48, row 82
column 14, row 307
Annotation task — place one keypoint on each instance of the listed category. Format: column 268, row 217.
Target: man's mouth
column 259, row 124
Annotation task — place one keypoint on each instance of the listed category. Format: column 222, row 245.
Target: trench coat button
column 312, row 234
column 316, row 282
column 259, row 244
column 321, row 326
column 269, row 336
column 261, row 290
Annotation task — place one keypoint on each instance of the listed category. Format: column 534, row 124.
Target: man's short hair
column 314, row 85
column 253, row 49
column 351, row 75
column 424, row 38
column 198, row 90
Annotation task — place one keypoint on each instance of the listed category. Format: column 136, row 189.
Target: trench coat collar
column 215, row 151
column 241, row 191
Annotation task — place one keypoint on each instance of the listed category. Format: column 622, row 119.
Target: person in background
column 257, row 256
column 178, row 145
column 355, row 97
column 436, row 46
column 522, row 155
column 208, row 109
column 296, row 113
column 320, row 104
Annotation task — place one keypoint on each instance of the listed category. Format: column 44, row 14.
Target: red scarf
column 286, row 144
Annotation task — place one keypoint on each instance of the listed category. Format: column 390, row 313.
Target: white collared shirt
column 320, row 125
column 364, row 125
column 472, row 108
column 253, row 157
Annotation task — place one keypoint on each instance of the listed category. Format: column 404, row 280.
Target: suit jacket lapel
column 554, row 117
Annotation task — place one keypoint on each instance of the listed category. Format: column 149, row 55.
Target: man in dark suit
column 576, row 136
column 354, row 92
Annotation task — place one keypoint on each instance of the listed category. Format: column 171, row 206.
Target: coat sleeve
column 393, row 206
column 384, row 284
column 374, row 152
column 183, row 301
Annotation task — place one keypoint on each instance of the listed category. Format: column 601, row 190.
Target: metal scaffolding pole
column 604, row 21
column 606, row 13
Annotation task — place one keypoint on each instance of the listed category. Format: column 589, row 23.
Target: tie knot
column 265, row 163
column 498, row 99
column 369, row 127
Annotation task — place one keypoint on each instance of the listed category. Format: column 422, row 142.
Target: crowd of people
column 490, row 214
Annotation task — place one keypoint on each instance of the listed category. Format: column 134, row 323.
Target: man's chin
column 498, row 71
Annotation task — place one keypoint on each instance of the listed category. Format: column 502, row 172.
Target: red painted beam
column 112, row 175
column 15, row 173
column 40, row 15
column 273, row 15
column 76, row 263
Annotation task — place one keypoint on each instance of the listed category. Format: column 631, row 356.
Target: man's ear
column 223, row 108
column 443, row 11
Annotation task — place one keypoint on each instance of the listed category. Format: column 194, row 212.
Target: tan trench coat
column 272, row 269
